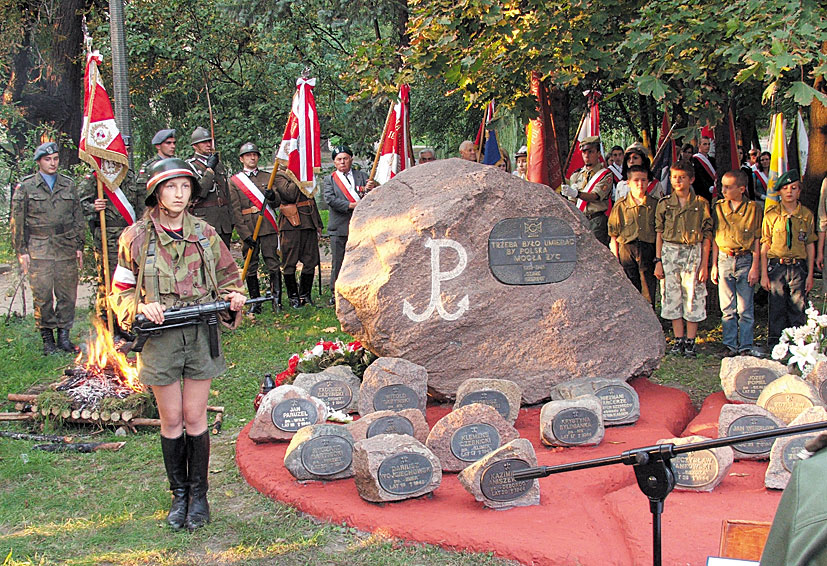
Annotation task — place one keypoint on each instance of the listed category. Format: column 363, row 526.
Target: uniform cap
column 522, row 152
column 45, row 149
column 341, row 149
column 199, row 135
column 590, row 140
column 787, row 178
column 248, row 147
column 164, row 170
column 162, row 135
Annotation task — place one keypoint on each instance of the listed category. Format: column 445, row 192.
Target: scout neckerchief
column 349, row 191
column 246, row 186
column 617, row 172
column 582, row 204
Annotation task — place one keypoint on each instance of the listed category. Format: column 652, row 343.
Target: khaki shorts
column 682, row 296
column 179, row 353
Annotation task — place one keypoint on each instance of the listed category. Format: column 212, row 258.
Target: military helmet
column 248, row 147
column 163, row 170
column 45, row 149
column 199, row 135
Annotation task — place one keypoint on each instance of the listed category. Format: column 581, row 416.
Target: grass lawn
column 109, row 507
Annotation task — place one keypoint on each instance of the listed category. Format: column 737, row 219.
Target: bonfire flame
column 104, row 359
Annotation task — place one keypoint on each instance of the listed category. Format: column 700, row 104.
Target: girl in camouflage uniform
column 166, row 259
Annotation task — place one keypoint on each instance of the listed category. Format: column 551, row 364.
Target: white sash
column 246, row 186
column 582, row 204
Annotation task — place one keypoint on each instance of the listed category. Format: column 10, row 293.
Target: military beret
column 341, row 149
column 787, row 178
column 590, row 140
column 162, row 135
column 45, row 149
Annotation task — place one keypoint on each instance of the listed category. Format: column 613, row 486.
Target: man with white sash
column 705, row 175
column 248, row 193
column 590, row 187
column 616, row 155
column 343, row 189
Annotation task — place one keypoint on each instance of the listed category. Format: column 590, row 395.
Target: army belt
column 54, row 230
column 251, row 210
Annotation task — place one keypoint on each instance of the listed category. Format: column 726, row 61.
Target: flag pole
column 105, row 253
column 381, row 140
column 252, row 250
column 571, row 150
column 663, row 145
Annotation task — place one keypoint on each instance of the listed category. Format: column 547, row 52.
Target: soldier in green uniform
column 48, row 234
column 169, row 258
column 300, row 226
column 590, row 188
column 115, row 224
column 246, row 188
column 164, row 142
column 211, row 201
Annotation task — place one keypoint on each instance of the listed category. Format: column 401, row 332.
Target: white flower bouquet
column 805, row 345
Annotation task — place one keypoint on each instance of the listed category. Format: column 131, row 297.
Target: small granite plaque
column 575, row 425
column 782, row 455
column 491, row 398
column 395, row 398
column 292, row 414
column 471, row 442
column 789, row 455
column 405, row 474
column 751, row 381
column 336, row 394
column 498, row 484
column 391, row 424
column 788, row 406
column 749, row 424
column 327, row 455
column 618, row 402
column 532, row 251
column 789, row 396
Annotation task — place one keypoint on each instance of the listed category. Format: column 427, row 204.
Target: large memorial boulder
column 471, row 272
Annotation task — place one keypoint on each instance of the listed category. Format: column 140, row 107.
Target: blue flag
column 492, row 149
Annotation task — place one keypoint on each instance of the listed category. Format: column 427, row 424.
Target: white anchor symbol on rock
column 438, row 276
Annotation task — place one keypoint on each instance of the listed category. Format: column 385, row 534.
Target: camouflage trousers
column 54, row 292
column 682, row 296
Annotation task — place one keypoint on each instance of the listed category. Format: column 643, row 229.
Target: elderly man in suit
column 343, row 189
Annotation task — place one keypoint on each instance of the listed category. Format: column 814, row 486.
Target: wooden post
column 105, row 253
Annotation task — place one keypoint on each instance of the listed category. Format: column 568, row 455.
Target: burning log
column 84, row 447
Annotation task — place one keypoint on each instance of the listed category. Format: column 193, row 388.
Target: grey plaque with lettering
column 750, row 382
column 335, row 394
column 392, row 424
column 292, row 414
column 497, row 482
column 618, row 402
column 789, row 456
column 395, row 398
column 471, row 442
column 405, row 473
column 575, row 425
column 532, row 251
column 695, row 469
column 491, row 398
column 327, row 455
column 748, row 424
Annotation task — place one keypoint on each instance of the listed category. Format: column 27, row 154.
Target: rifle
column 190, row 315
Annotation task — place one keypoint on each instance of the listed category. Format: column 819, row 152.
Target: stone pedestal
column 789, row 396
column 502, row 394
column 393, row 384
column 320, row 452
column 743, row 378
column 283, row 411
column 578, row 422
column 392, row 467
column 406, row 421
column 490, row 479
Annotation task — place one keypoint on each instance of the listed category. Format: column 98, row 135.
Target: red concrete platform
column 588, row 517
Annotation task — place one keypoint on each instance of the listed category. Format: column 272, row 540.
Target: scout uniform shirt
column 787, row 235
column 736, row 230
column 683, row 225
column 603, row 188
column 630, row 221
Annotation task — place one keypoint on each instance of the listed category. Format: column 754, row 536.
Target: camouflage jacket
column 143, row 173
column 176, row 272
column 47, row 224
column 88, row 190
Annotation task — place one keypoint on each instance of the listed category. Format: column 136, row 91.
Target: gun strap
column 207, row 258
column 150, row 238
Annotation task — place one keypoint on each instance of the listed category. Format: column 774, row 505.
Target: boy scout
column 787, row 256
column 632, row 229
column 48, row 233
column 736, row 222
column 684, row 231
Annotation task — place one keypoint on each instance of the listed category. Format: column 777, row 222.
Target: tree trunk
column 645, row 123
column 560, row 108
column 817, row 158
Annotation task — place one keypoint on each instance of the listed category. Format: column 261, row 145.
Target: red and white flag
column 300, row 150
column 479, row 141
column 589, row 127
column 101, row 144
column 395, row 150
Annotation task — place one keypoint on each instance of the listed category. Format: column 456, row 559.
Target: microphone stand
column 653, row 468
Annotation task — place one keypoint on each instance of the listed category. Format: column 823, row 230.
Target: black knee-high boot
column 306, row 286
column 198, row 460
column 255, row 292
column 175, row 462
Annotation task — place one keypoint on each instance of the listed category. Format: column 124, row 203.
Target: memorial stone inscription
column 695, row 469
column 336, row 394
column 292, row 414
column 392, row 424
column 404, row 474
column 575, row 426
column 790, row 455
column 751, row 381
column 618, row 402
column 471, row 442
column 395, row 398
column 532, row 251
column 749, row 424
column 498, row 484
column 327, row 455
column 491, row 398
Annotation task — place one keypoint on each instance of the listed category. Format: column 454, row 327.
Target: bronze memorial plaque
column 532, row 251
column 789, row 456
column 618, row 402
column 405, row 473
column 395, row 398
column 292, row 414
column 695, row 469
column 787, row 406
column 326, row 455
column 497, row 481
column 392, row 424
column 335, row 394
column 750, row 382
column 488, row 397
column 748, row 424
column 471, row 442
column 575, row 425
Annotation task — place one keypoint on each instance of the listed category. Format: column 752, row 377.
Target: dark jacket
column 338, row 221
